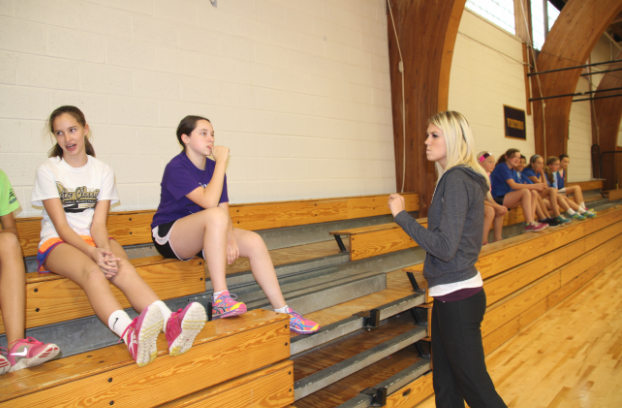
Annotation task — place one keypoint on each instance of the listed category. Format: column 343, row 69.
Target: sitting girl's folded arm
column 208, row 197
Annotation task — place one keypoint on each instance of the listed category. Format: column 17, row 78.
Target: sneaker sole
column 236, row 312
column 46, row 354
column 191, row 326
column 147, row 337
column 309, row 331
column 5, row 367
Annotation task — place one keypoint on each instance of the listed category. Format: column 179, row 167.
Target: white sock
column 581, row 210
column 166, row 312
column 216, row 294
column 571, row 212
column 282, row 309
column 582, row 206
column 118, row 322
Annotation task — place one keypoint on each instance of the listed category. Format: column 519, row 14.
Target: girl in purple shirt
column 193, row 219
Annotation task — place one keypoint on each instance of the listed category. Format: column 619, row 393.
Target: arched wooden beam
column 427, row 33
column 569, row 43
column 607, row 118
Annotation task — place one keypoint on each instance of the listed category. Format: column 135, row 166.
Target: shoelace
column 32, row 340
column 231, row 296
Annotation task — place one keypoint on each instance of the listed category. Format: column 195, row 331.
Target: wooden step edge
column 51, row 374
column 225, row 390
column 413, row 393
column 555, row 271
column 37, row 277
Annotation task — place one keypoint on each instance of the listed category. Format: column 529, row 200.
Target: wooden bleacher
column 233, row 361
column 527, row 275
column 366, row 242
column 524, row 276
column 52, row 298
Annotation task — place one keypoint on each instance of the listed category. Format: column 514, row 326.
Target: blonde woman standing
column 453, row 242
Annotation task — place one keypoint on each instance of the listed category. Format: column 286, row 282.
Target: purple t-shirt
column 181, row 177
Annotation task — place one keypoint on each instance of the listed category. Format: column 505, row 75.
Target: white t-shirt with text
column 79, row 189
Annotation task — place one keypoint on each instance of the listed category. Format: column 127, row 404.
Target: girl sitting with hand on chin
column 193, row 220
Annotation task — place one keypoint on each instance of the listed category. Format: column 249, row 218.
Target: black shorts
column 160, row 236
column 499, row 200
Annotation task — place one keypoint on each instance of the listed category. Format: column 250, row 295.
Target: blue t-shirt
column 554, row 183
column 561, row 183
column 498, row 179
column 181, row 177
column 527, row 172
column 521, row 178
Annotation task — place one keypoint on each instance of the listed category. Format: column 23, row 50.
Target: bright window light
column 499, row 12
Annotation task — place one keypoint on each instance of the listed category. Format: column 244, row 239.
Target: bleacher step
column 366, row 398
column 344, row 368
column 224, row 350
column 307, row 295
column 333, row 331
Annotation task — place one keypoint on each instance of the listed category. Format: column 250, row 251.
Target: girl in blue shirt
column 548, row 197
column 575, row 210
column 507, row 192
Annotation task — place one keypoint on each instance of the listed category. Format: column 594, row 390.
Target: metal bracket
column 416, row 317
column 371, row 319
column 342, row 247
column 209, row 310
column 378, row 396
column 420, row 350
column 413, row 282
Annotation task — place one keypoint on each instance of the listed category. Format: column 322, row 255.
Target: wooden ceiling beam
column 575, row 33
column 427, row 33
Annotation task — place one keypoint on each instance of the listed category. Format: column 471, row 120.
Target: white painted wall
column 487, row 73
column 298, row 89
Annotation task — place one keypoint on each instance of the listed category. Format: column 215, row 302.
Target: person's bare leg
column 489, row 216
column 252, row 246
column 523, row 198
column 12, row 287
column 135, row 289
column 498, row 227
column 552, row 202
column 73, row 264
column 205, row 230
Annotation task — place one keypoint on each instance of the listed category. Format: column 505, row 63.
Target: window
column 537, row 21
column 499, row 12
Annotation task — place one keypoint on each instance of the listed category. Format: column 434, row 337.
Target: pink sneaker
column 30, row 352
column 300, row 325
column 226, row 306
column 142, row 335
column 535, row 227
column 4, row 363
column 183, row 326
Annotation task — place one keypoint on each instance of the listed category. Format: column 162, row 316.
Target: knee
column 255, row 243
column 9, row 245
column 489, row 212
column 217, row 217
column 93, row 275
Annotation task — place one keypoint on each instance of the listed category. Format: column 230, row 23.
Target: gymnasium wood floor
column 570, row 357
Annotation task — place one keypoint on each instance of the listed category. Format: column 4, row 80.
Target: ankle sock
column 216, row 294
column 570, row 211
column 166, row 312
column 118, row 322
column 282, row 309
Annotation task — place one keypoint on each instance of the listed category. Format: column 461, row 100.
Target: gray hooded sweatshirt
column 453, row 238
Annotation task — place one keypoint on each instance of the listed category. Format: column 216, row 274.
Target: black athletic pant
column 458, row 355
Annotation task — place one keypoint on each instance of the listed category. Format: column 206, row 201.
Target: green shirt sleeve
column 8, row 199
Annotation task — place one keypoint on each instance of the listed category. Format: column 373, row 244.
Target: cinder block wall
column 298, row 89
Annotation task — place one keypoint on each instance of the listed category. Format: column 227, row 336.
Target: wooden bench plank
column 134, row 227
column 272, row 386
column 587, row 185
column 224, row 350
column 51, row 298
column 613, row 195
column 412, row 394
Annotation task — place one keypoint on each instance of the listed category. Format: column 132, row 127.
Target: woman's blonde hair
column 459, row 141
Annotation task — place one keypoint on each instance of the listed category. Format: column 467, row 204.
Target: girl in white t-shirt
column 76, row 191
